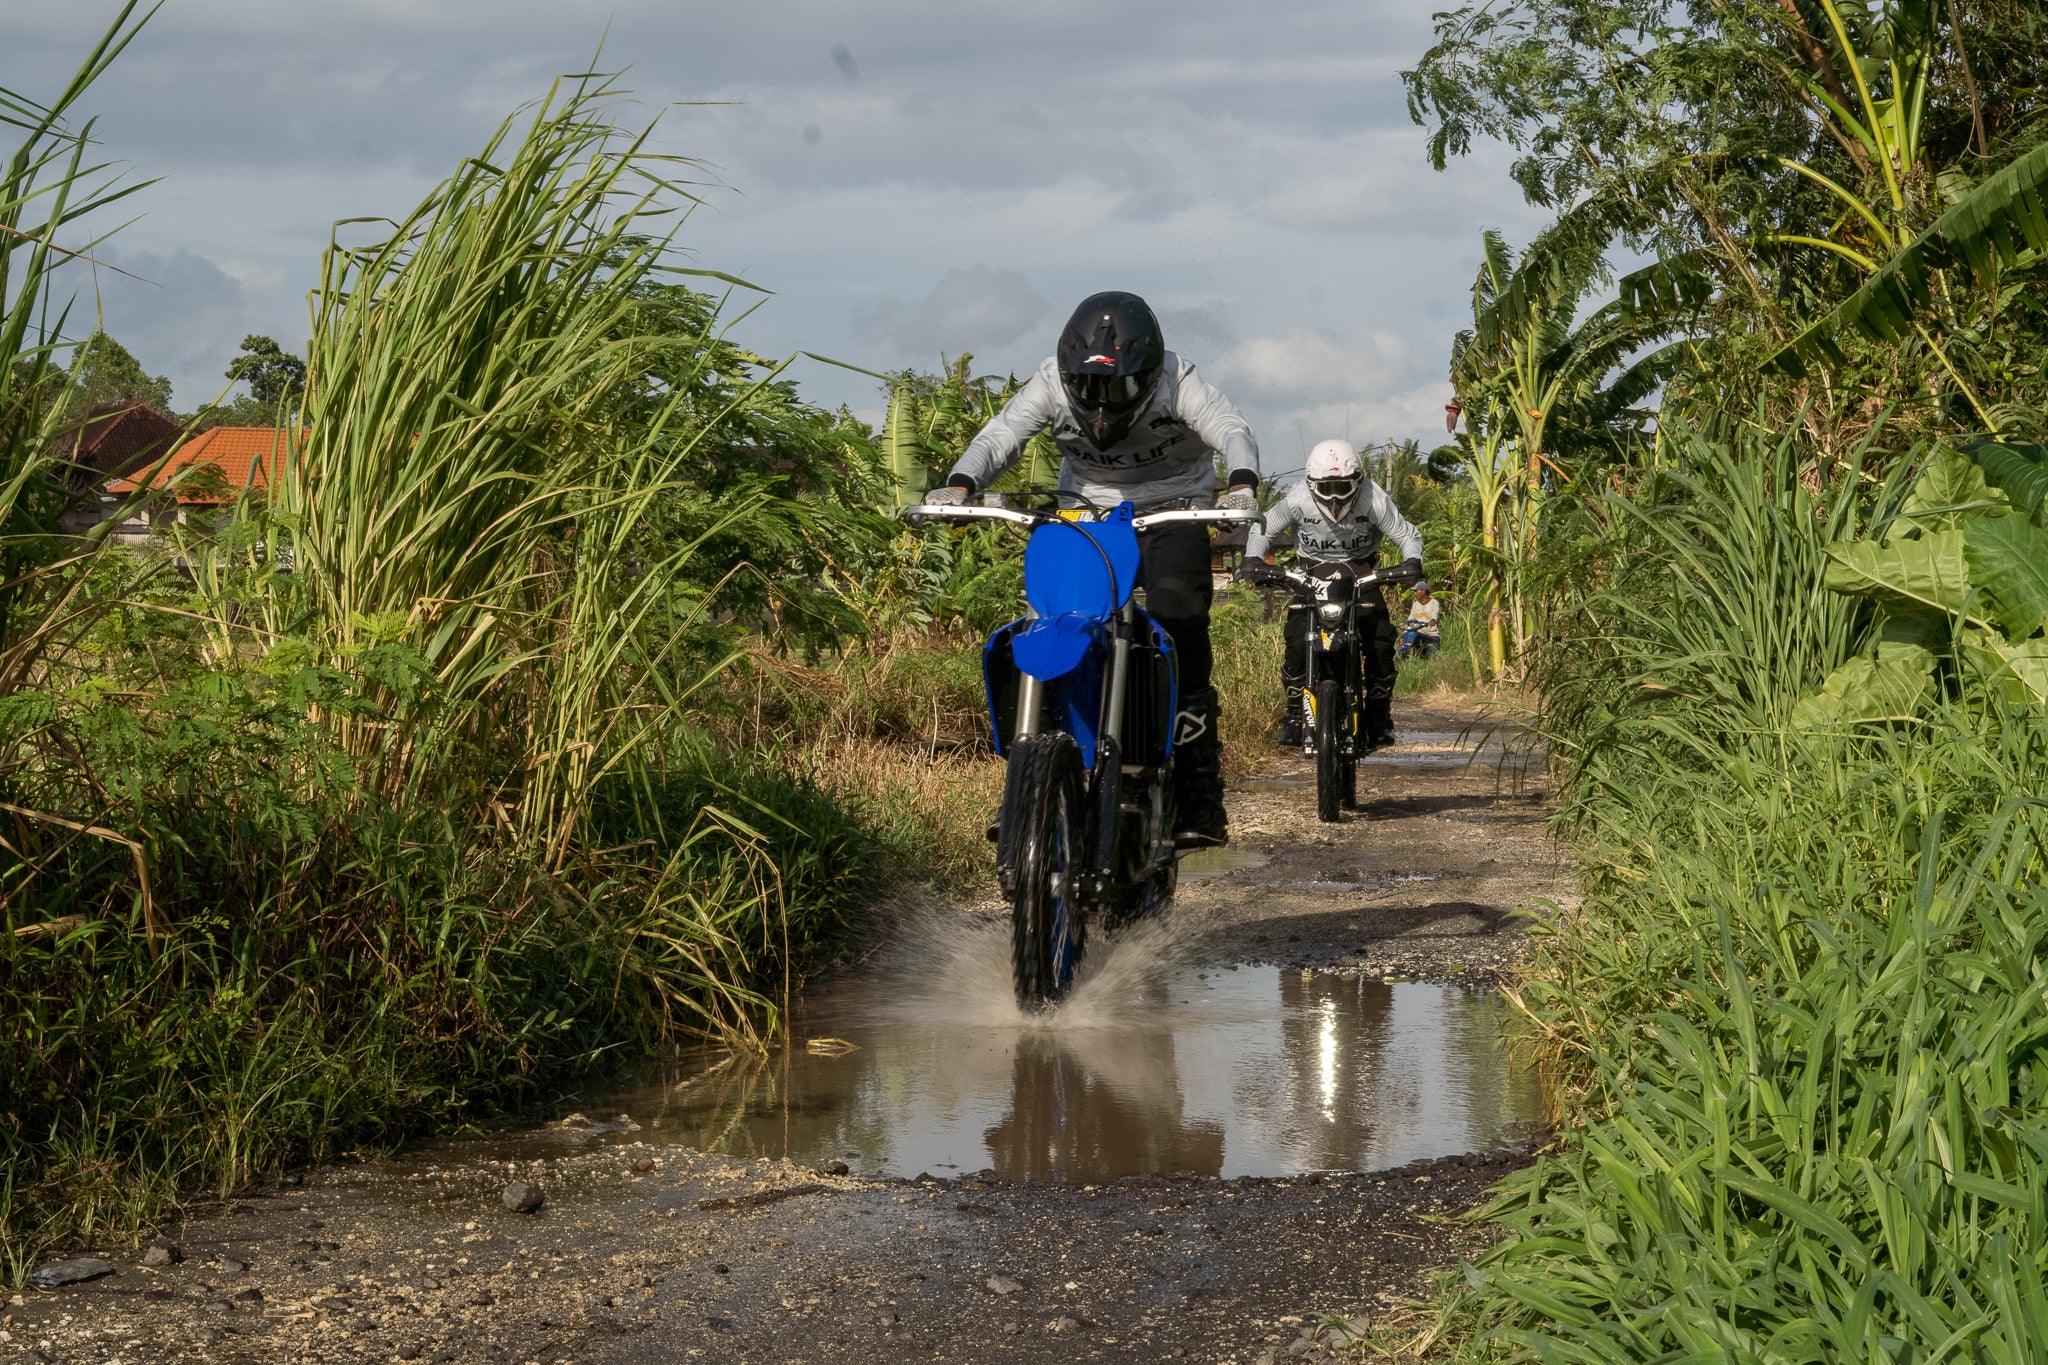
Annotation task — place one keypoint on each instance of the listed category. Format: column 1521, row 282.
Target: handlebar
column 1307, row 582
column 1206, row 516
column 964, row 512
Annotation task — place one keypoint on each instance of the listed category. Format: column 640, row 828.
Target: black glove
column 1411, row 569
column 1258, row 571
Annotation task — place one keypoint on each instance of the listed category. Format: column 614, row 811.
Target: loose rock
column 520, row 1197
column 159, row 1253
column 1063, row 1323
column 75, row 1271
column 1003, row 1284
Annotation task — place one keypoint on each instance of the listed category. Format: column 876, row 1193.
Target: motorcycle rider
column 1342, row 515
column 1135, row 422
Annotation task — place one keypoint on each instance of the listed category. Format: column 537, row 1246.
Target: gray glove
column 1242, row 498
column 948, row 495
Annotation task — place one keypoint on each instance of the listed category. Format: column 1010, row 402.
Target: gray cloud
column 1248, row 168
column 968, row 310
column 177, row 318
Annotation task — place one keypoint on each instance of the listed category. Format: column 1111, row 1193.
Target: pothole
column 1150, row 1068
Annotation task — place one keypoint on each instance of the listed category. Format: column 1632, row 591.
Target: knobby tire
column 1329, row 752
column 1042, row 807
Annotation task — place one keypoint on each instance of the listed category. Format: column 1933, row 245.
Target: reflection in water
column 1149, row 1068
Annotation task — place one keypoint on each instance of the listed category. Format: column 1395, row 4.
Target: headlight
column 1332, row 613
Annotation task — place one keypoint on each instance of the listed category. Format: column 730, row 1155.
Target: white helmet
column 1334, row 478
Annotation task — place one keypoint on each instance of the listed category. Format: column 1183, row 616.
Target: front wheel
column 1042, row 819
column 1329, row 751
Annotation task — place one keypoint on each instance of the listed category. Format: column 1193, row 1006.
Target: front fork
column 1325, row 655
column 1106, row 790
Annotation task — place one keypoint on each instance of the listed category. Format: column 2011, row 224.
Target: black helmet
column 1109, row 359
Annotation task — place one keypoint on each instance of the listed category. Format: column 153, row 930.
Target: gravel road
column 646, row 1251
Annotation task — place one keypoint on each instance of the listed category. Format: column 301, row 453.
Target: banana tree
column 1482, row 453
column 1556, row 388
column 1905, row 263
column 931, row 418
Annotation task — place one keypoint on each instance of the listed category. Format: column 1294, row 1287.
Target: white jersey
column 1169, row 453
column 1322, row 541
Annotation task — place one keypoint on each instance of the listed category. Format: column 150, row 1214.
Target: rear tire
column 1329, row 753
column 1042, row 808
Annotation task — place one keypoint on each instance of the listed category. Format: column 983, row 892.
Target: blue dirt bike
column 1082, row 698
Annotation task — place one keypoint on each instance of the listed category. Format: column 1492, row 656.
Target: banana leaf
column 1987, row 226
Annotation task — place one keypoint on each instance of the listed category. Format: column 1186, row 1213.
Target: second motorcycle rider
column 1135, row 422
column 1342, row 516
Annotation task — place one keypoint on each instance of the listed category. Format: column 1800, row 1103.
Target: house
column 212, row 470
column 112, row 440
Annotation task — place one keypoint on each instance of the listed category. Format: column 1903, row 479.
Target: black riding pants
column 1173, row 569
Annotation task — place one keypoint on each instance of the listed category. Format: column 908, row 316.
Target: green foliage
column 1958, row 560
column 275, row 380
column 395, row 796
column 1418, row 483
column 1797, row 1015
column 931, row 419
column 103, row 371
column 1999, row 223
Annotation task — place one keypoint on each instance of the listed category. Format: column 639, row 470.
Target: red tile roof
column 114, row 439
column 244, row 457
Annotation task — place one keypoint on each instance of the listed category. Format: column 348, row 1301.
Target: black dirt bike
column 1334, row 689
column 1083, row 695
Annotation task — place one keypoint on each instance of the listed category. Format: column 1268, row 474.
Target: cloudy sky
column 907, row 179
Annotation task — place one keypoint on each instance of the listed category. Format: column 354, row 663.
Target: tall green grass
column 1800, row 1012
column 390, row 802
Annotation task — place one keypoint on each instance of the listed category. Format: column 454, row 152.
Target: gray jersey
column 1168, row 454
column 1322, row 541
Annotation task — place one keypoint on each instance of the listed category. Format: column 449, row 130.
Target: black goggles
column 1108, row 392
column 1335, row 490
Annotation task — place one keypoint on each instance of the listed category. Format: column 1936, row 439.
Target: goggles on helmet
column 1334, row 490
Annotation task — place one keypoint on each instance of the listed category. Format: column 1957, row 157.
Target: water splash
column 943, row 969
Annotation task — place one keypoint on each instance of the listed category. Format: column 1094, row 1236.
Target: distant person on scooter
column 1342, row 516
column 1135, row 422
column 1420, row 633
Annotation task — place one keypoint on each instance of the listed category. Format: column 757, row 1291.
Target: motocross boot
column 1378, row 717
column 1199, row 818
column 1291, row 723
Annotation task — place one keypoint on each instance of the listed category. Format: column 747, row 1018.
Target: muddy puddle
column 1151, row 1068
column 1442, row 750
column 1209, row 863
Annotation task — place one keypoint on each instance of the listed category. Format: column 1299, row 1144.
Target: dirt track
column 704, row 1257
